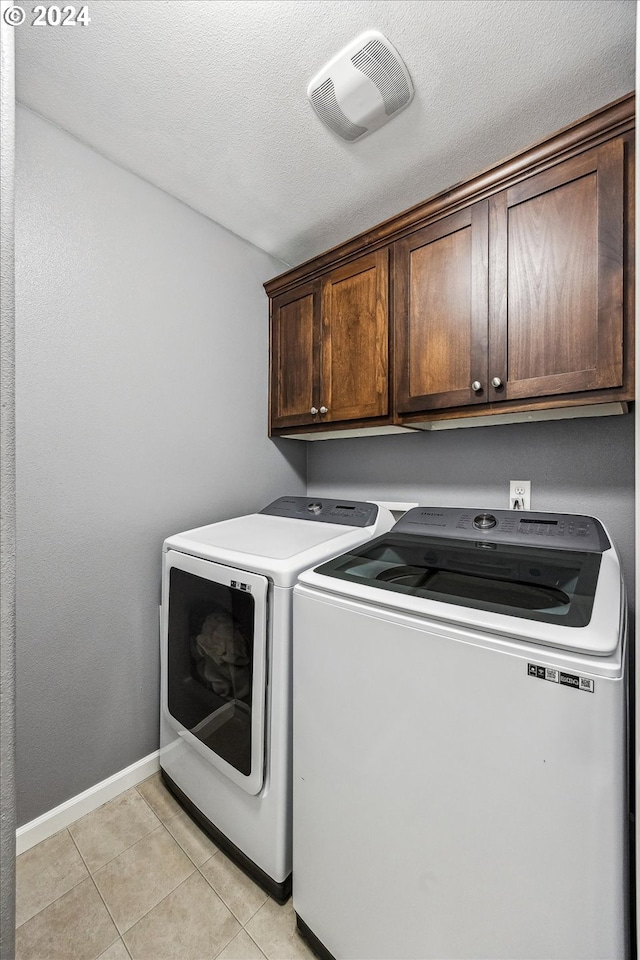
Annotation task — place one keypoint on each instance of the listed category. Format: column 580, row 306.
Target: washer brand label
column 560, row 677
column 570, row 680
column 237, row 585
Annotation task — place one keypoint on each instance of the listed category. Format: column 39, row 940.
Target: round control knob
column 314, row 507
column 476, row 385
column 313, row 411
column 496, row 382
column 484, row 521
column 324, row 409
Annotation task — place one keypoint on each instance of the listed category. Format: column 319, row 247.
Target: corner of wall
column 637, row 465
column 7, row 492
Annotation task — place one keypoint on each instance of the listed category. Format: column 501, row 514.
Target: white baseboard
column 74, row 808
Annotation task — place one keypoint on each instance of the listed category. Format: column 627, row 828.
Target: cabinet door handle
column 324, row 409
column 476, row 386
column 496, row 382
column 313, row 411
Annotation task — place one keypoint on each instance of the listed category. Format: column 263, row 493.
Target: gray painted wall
column 575, row 466
column 7, row 496
column 141, row 361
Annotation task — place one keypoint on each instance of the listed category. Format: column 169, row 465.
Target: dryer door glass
column 215, row 666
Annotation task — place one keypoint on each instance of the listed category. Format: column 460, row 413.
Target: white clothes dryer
column 460, row 743
column 225, row 724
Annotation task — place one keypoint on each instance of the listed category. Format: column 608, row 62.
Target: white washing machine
column 225, row 724
column 460, row 743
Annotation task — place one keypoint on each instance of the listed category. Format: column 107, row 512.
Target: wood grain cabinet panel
column 295, row 348
column 355, row 354
column 330, row 347
column 557, row 250
column 441, row 313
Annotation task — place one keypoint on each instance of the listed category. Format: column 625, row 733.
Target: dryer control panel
column 353, row 513
column 564, row 531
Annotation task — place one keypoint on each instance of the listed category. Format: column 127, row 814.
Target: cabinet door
column 295, row 356
column 441, row 311
column 557, row 278
column 355, row 339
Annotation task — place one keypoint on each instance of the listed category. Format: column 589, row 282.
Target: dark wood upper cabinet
column 441, row 312
column 295, row 352
column 509, row 293
column 330, row 347
column 355, row 337
column 518, row 297
column 556, row 290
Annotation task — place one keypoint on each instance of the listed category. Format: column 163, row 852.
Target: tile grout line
column 171, row 892
column 178, row 885
column 122, row 933
column 251, row 938
column 144, row 799
column 224, row 904
column 169, row 819
column 55, row 899
column 244, row 930
column 184, row 849
column 241, row 930
column 197, row 869
column 243, row 926
column 196, row 866
column 229, row 908
column 158, row 824
column 124, row 850
column 199, row 866
column 91, row 877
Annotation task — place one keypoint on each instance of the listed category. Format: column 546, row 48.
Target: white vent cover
column 362, row 87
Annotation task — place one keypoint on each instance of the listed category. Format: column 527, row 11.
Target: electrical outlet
column 520, row 494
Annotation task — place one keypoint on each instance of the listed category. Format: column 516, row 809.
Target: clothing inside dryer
column 210, row 668
column 536, row 583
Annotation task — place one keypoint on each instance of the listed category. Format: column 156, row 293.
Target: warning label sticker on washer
column 559, row 676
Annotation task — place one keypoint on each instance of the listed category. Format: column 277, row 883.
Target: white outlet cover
column 520, row 490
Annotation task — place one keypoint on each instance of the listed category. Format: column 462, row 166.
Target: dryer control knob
column 484, row 521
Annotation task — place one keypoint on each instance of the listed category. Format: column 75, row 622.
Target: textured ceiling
column 207, row 100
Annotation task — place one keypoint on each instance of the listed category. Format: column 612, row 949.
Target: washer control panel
column 558, row 530
column 352, row 513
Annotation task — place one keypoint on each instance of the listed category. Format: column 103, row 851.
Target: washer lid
column 571, row 599
column 278, row 547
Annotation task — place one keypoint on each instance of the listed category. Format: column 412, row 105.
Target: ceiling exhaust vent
column 362, row 88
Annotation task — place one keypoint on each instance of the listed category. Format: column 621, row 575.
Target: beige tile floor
column 138, row 879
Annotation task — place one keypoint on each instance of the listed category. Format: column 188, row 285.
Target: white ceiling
column 207, row 99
